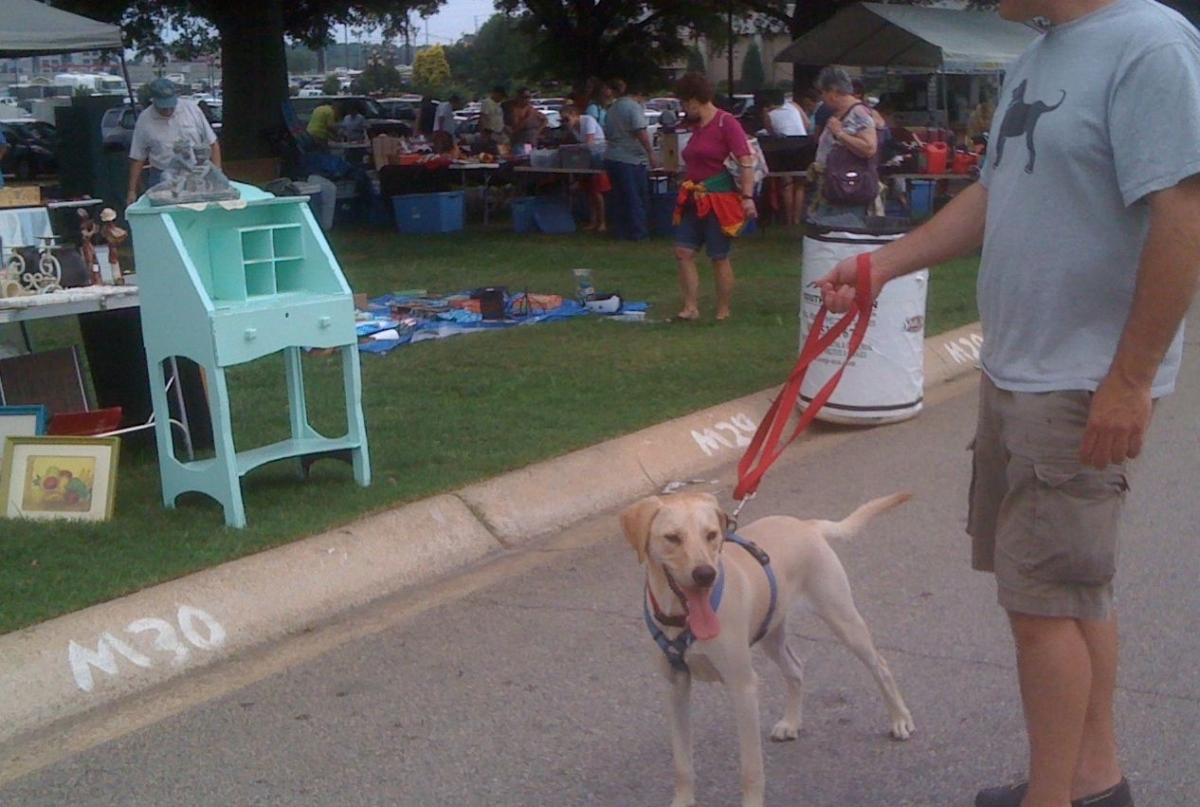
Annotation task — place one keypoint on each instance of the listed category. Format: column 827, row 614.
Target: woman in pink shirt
column 710, row 210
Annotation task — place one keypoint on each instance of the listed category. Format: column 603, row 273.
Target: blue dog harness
column 677, row 647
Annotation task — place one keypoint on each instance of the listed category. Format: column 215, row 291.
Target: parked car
column 116, row 127
column 27, row 157
column 214, row 111
column 665, row 103
column 400, row 109
column 40, row 132
column 378, row 120
column 553, row 117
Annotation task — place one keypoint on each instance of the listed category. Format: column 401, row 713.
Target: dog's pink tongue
column 702, row 619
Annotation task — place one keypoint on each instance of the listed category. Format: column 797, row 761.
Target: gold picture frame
column 46, row 478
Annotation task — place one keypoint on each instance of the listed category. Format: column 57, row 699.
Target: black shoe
column 1119, row 795
column 1004, row 796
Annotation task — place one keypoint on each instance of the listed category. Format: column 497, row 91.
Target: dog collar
column 677, row 647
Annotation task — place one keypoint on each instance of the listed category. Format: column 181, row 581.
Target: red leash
column 765, row 448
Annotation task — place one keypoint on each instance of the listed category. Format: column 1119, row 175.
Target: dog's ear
column 635, row 521
column 722, row 516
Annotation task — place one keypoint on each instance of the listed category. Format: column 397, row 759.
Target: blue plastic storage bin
column 377, row 211
column 429, row 212
column 920, row 197
column 522, row 214
column 552, row 214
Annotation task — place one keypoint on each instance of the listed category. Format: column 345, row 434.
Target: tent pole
column 730, row 31
column 945, row 98
column 128, row 84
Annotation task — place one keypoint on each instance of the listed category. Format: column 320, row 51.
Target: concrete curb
column 100, row 655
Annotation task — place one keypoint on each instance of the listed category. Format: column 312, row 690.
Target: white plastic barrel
column 884, row 381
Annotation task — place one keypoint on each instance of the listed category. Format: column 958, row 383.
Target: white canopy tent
column 915, row 38
column 31, row 28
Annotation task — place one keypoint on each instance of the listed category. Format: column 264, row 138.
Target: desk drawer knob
column 325, row 322
column 251, row 334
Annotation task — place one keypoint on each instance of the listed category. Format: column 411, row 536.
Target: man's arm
column 1166, row 282
column 643, row 136
column 955, row 231
column 135, row 178
column 215, row 159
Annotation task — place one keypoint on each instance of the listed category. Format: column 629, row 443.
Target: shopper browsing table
column 628, row 159
column 167, row 120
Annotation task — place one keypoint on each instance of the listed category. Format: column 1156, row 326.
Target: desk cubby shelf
column 224, row 284
column 257, row 261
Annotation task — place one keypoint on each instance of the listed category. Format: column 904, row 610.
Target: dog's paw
column 785, row 731
column 903, row 728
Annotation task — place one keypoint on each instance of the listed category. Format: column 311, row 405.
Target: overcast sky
column 456, row 17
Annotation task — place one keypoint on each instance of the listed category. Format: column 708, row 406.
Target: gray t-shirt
column 1095, row 115
column 625, row 119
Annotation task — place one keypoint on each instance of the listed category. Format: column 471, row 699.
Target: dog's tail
column 852, row 524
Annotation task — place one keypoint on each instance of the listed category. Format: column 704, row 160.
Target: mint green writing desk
column 224, row 283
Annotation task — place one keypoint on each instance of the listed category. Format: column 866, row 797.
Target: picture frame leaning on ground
column 48, row 478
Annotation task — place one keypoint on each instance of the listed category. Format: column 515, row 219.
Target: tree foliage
column 497, row 55
column 377, row 77
column 753, row 74
column 250, row 36
column 576, row 39
column 431, row 71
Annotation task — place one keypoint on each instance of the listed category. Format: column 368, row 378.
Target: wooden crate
column 21, row 196
column 669, row 144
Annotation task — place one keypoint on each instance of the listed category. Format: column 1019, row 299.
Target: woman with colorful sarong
column 710, row 210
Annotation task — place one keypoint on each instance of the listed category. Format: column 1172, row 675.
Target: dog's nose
column 704, row 575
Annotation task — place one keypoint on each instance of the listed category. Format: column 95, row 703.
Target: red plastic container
column 936, row 155
column 962, row 162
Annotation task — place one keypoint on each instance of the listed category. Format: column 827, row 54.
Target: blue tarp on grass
column 390, row 331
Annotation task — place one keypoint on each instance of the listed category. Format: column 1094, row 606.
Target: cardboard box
column 385, row 150
column 21, row 196
column 669, row 146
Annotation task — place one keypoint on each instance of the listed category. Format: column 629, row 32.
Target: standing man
column 167, row 120
column 443, row 118
column 628, row 158
column 491, row 115
column 1091, row 249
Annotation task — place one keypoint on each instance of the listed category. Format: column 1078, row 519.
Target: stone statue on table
column 191, row 177
column 88, row 232
column 113, row 235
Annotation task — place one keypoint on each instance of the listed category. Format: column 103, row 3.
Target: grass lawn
column 445, row 413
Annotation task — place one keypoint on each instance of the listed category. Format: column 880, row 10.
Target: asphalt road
column 527, row 681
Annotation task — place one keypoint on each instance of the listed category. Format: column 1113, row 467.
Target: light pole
column 731, row 51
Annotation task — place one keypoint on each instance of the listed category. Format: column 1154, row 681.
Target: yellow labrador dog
column 710, row 596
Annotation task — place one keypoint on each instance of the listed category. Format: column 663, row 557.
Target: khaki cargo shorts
column 1043, row 523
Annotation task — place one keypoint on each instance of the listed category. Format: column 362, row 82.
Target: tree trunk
column 254, row 70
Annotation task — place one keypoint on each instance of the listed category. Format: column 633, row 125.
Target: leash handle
column 765, row 447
